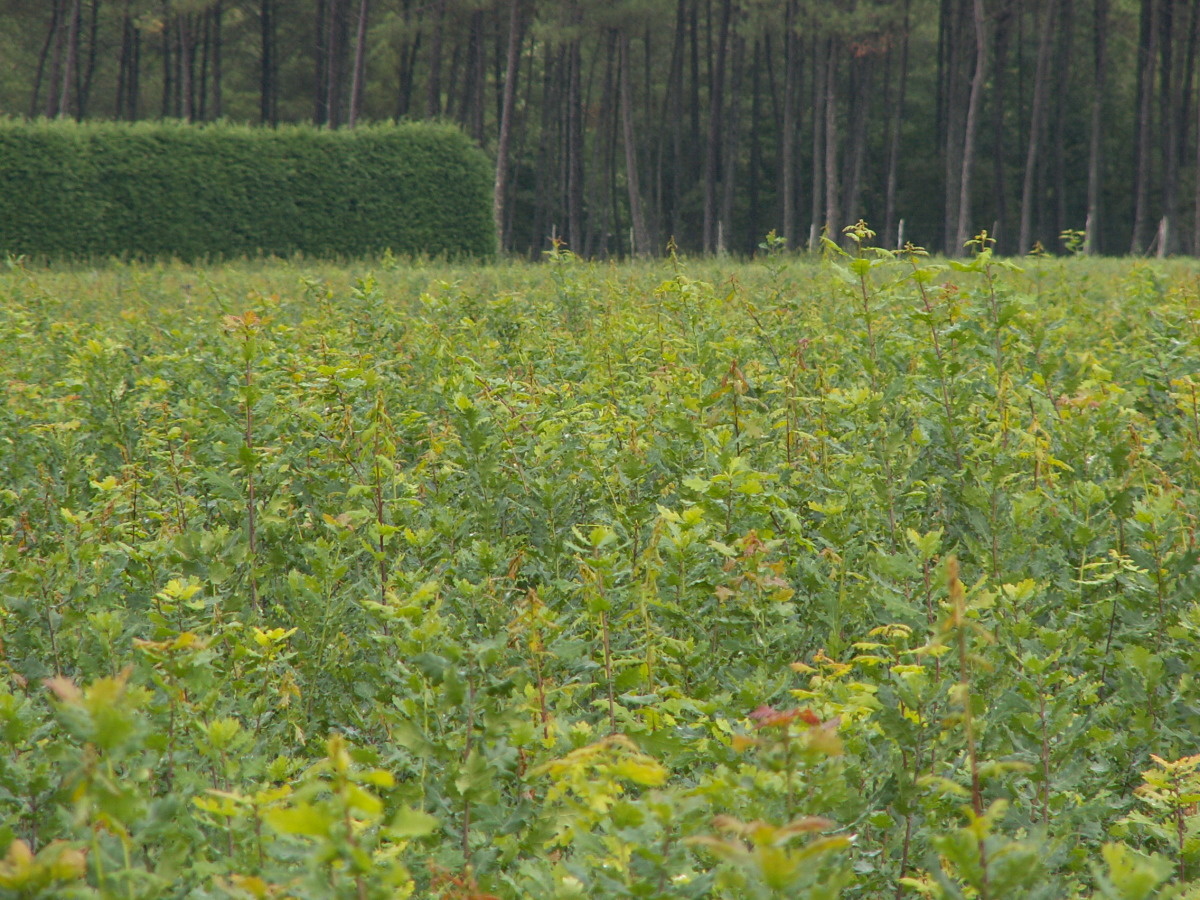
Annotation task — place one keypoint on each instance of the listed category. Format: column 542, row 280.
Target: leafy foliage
column 861, row 578
column 173, row 190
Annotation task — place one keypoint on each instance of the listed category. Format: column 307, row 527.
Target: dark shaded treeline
column 618, row 125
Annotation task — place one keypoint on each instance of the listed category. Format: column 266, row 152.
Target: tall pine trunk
column 267, row 87
column 50, row 43
column 1147, row 42
column 358, row 85
column 787, row 149
column 1004, row 241
column 833, row 225
column 733, row 123
column 574, row 142
column 818, row 150
column 70, row 60
column 433, row 87
column 1170, row 102
column 861, row 69
column 951, row 129
column 187, row 92
column 890, row 236
column 1036, row 117
column 1092, row 224
column 511, row 61
column 1063, row 65
column 972, row 126
column 712, row 152
column 641, row 236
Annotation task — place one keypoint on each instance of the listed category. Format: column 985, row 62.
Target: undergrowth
column 873, row 577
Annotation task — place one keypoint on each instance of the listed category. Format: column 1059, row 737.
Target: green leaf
column 303, row 818
column 413, row 823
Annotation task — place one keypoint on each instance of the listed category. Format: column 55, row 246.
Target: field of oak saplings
column 871, row 576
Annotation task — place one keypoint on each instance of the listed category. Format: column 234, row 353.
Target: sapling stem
column 608, row 674
column 251, row 528
column 943, row 382
column 958, row 621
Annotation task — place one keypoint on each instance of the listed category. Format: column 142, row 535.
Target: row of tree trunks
column 63, row 91
column 751, row 101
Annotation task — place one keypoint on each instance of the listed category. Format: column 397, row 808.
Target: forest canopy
column 616, row 126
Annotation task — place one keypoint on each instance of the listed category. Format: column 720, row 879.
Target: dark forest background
column 617, row 125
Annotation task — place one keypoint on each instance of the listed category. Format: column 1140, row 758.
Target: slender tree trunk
column 754, row 217
column 1004, row 241
column 470, row 110
column 186, row 89
column 1142, row 149
column 1024, row 242
column 321, row 63
column 521, row 131
column 544, row 186
column 62, row 9
column 574, row 145
column 1095, row 140
column 512, row 60
column 51, row 41
column 337, row 40
column 611, row 129
column 669, row 177
column 693, row 145
column 787, row 148
column 1189, row 73
column 267, row 65
column 433, row 96
column 83, row 92
column 133, row 78
column 168, row 87
column 861, row 69
column 968, row 158
column 123, row 65
column 833, row 224
column 952, row 132
column 601, row 170
column 71, row 59
column 1170, row 103
column 1063, row 66
column 205, row 54
column 772, row 86
column 712, row 152
column 451, row 103
column 218, row 73
column 178, row 57
column 733, row 122
column 1196, row 198
column 641, row 236
column 893, row 165
column 406, row 65
column 945, row 76
column 360, row 63
column 820, row 70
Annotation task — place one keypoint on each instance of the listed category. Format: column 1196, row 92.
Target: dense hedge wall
column 169, row 189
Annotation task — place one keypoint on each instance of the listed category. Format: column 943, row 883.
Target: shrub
column 72, row 190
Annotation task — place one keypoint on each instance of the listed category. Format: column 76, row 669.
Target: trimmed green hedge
column 190, row 191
